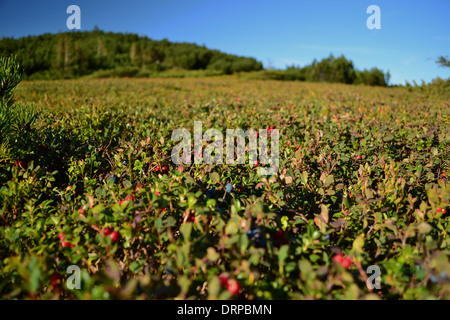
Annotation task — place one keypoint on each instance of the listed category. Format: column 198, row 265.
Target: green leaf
column 358, row 243
column 186, row 229
column 213, row 288
column 97, row 209
column 214, row 176
column 324, row 213
column 283, row 253
column 423, row 227
column 212, row 254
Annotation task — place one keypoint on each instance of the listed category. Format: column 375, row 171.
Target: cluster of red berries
column 114, row 235
column 343, row 261
column 191, row 217
column 64, row 243
column 128, row 198
column 164, row 169
column 443, row 210
column 232, row 285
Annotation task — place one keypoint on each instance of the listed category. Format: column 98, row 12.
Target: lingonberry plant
column 356, row 186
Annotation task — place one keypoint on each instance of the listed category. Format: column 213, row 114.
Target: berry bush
column 88, row 181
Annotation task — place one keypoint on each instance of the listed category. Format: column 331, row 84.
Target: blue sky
column 278, row 33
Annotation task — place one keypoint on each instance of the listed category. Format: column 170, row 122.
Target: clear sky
column 278, row 33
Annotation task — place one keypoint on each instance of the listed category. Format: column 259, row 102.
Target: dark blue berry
column 210, row 193
column 256, row 237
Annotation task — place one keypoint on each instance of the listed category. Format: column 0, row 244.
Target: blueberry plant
column 363, row 181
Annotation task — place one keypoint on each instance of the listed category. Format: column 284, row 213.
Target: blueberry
column 210, row 193
column 113, row 179
column 229, row 187
column 434, row 279
column 256, row 237
column 124, row 162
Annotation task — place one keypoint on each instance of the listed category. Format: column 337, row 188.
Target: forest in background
column 102, row 54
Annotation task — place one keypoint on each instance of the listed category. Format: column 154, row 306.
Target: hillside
column 98, row 53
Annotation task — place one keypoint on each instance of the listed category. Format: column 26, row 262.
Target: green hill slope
column 75, row 54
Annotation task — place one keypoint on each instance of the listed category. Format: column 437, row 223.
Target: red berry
column 279, row 235
column 67, row 244
column 61, row 236
column 233, row 286
column 256, row 164
column 128, row 198
column 223, row 280
column 191, row 217
column 55, row 279
column 338, row 258
column 158, row 167
column 439, row 210
column 346, row 263
column 158, row 193
column 358, row 157
column 106, row 231
column 165, row 169
column 444, row 211
column 114, row 236
column 21, row 163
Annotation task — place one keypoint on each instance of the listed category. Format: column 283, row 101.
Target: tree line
column 103, row 54
column 332, row 69
column 75, row 54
